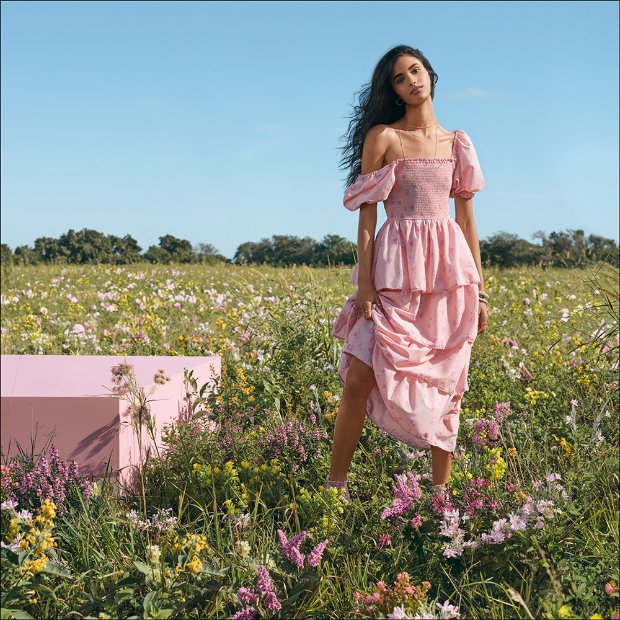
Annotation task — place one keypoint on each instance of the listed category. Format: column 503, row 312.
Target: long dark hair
column 377, row 105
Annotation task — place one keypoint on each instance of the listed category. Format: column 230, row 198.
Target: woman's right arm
column 372, row 159
column 373, row 152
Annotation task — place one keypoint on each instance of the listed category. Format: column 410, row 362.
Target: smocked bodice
column 421, row 189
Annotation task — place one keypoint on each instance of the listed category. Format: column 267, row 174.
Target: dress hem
column 427, row 444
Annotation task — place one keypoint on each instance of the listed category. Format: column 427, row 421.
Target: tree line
column 571, row 248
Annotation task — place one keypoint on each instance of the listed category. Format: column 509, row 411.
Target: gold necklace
column 427, row 126
column 436, row 127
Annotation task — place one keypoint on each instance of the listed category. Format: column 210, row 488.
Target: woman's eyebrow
column 413, row 65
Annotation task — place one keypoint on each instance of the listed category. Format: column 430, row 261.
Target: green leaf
column 9, row 555
column 142, row 567
column 149, row 604
column 17, row 614
column 51, row 568
column 123, row 594
column 210, row 570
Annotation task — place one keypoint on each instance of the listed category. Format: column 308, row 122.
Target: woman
column 420, row 301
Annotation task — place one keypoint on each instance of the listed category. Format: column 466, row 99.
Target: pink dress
column 419, row 345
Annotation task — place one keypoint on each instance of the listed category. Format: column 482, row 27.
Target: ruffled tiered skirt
column 419, row 345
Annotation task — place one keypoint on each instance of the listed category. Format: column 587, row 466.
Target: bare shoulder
column 378, row 133
column 376, row 144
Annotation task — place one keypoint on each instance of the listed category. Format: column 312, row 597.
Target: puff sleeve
column 372, row 187
column 467, row 178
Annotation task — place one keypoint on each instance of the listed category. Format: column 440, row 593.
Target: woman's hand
column 366, row 296
column 483, row 317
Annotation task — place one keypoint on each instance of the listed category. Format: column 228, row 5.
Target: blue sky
column 220, row 122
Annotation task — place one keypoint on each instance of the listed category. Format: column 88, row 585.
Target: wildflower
column 248, row 613
column 271, row 602
column 194, row 565
column 398, row 613
column 404, row 495
column 290, row 549
column 448, row 611
column 243, row 548
column 247, row 596
column 315, row 555
column 153, row 553
column 416, row 522
column 265, row 583
column 384, row 541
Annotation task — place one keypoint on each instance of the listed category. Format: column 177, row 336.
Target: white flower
column 448, row 611
column 243, row 548
column 153, row 553
column 9, row 504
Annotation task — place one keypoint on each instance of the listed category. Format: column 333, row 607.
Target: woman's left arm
column 464, row 216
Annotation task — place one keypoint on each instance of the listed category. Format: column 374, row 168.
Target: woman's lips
column 415, row 90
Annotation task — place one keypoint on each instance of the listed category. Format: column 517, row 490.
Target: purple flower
column 271, row 602
column 265, row 583
column 248, row 613
column 317, row 553
column 384, row 541
column 290, row 548
column 247, row 596
column 404, row 495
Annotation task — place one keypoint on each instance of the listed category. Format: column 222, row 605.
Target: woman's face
column 408, row 73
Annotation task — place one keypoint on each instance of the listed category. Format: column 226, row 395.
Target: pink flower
column 406, row 491
column 290, row 548
column 265, row 583
column 317, row 553
column 247, row 596
column 416, row 522
column 384, row 541
column 248, row 613
column 272, row 603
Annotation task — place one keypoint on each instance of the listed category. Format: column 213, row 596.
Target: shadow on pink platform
column 68, row 396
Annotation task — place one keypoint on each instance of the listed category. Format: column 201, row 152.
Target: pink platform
column 66, row 393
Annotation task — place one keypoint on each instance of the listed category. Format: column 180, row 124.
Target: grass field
column 233, row 521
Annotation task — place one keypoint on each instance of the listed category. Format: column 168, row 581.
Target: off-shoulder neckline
column 421, row 159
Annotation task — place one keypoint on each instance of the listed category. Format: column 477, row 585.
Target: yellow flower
column 195, row 565
column 565, row 612
column 48, row 509
column 520, row 496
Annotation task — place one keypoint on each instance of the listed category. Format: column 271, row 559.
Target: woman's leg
column 442, row 462
column 351, row 415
